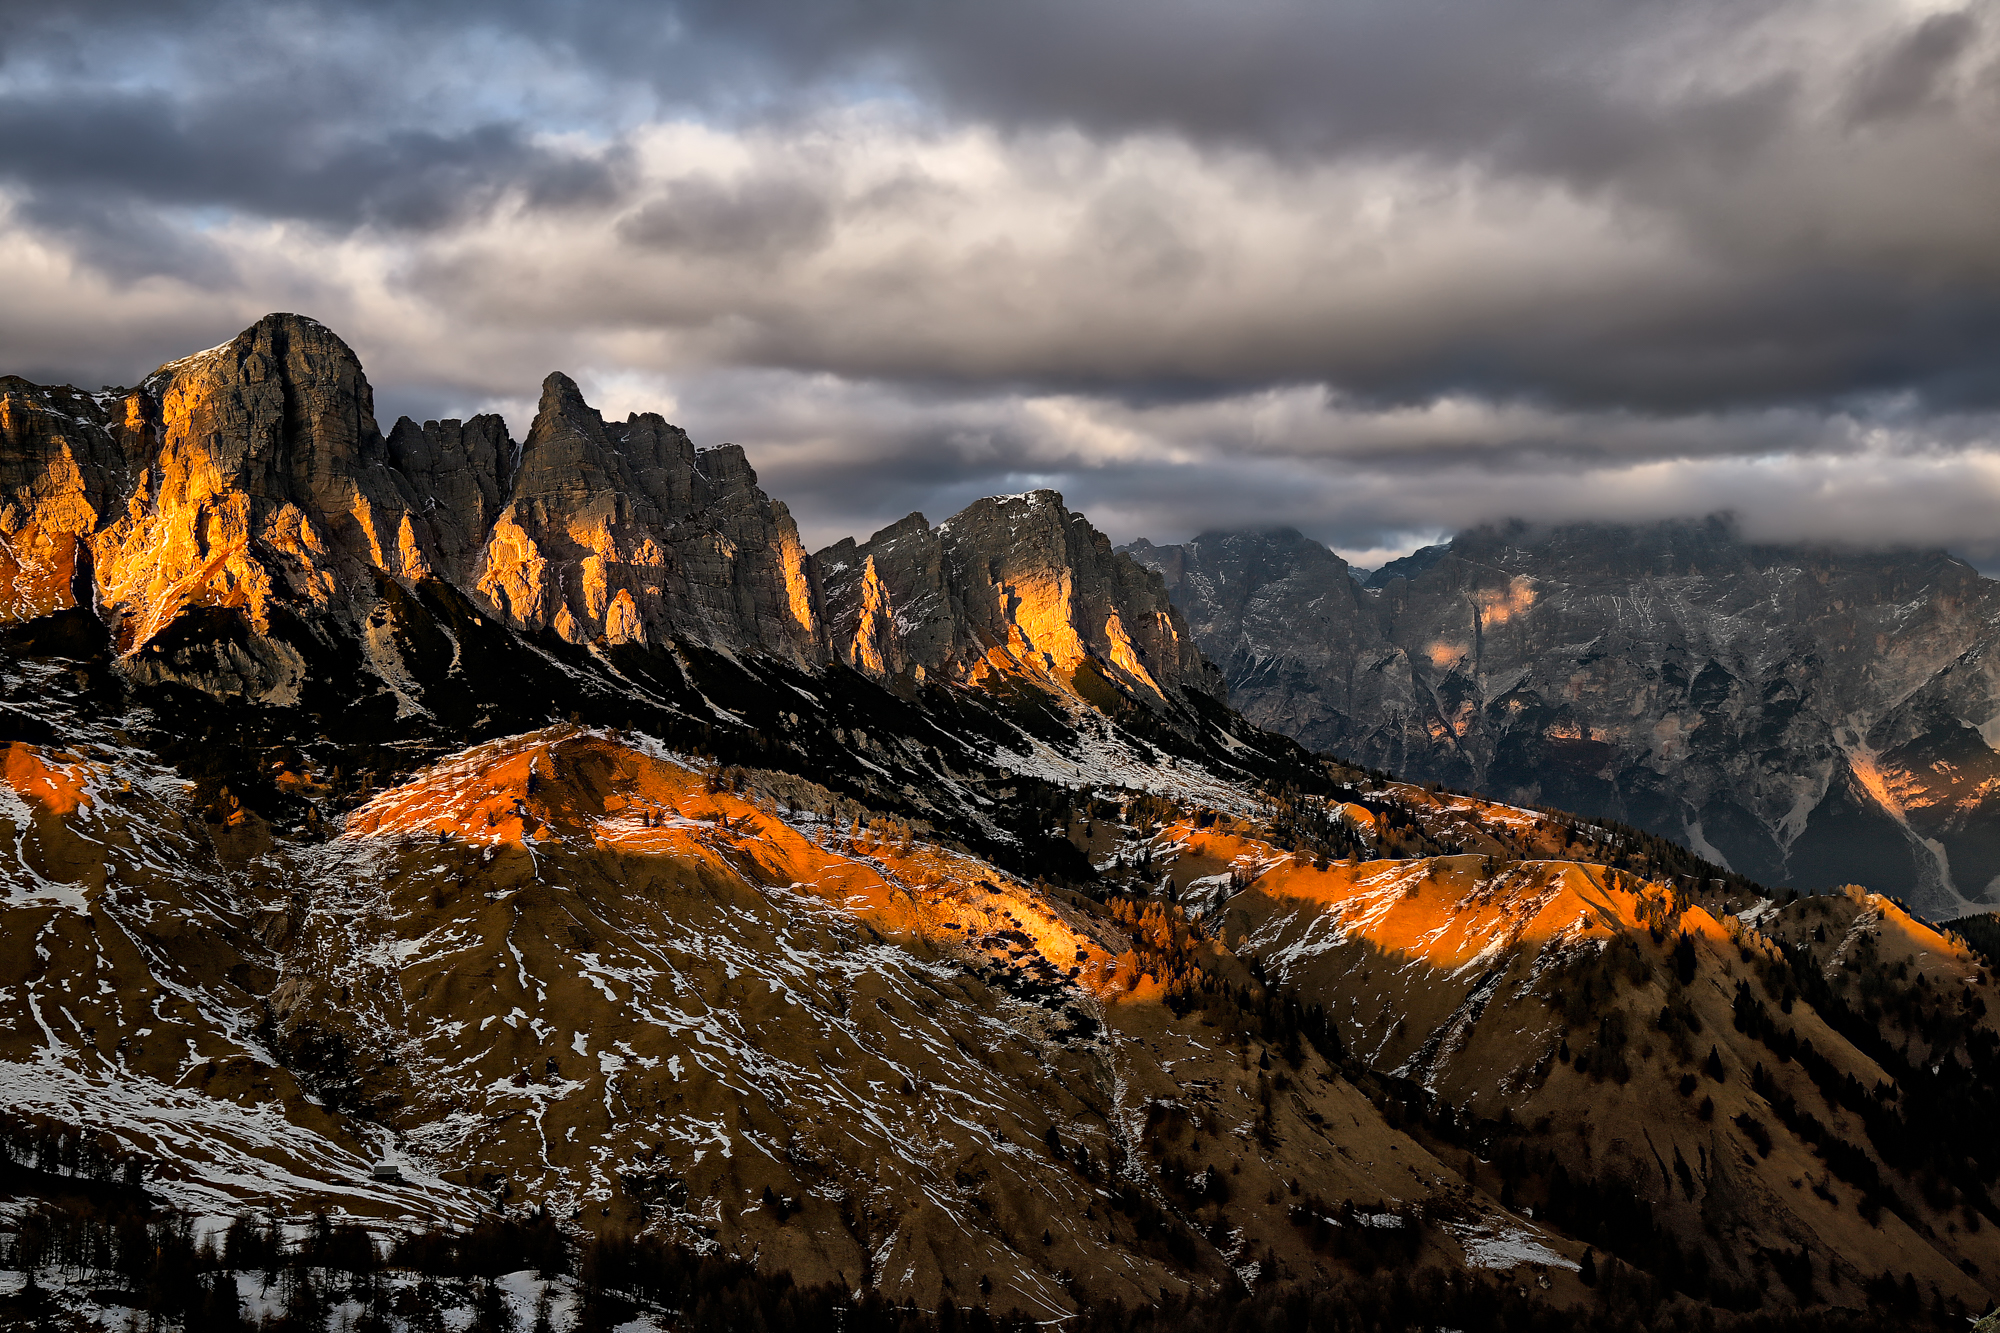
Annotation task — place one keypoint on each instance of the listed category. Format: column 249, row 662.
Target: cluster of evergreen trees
column 36, row 1151
column 152, row 1265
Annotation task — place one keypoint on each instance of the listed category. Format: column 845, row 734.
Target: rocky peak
column 1014, row 585
column 246, row 496
column 462, row 472
column 267, row 485
column 64, row 459
column 568, row 453
column 622, row 531
column 1407, row 566
column 275, row 411
column 249, row 485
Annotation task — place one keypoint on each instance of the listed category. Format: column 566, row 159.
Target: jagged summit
column 237, row 531
column 1011, row 585
column 243, row 501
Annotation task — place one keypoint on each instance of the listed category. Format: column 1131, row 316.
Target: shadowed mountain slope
column 1805, row 716
column 1707, row 1098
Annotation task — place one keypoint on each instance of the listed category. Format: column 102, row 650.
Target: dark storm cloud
column 259, row 152
column 1423, row 75
column 323, row 116
column 1906, row 77
column 1669, row 111
column 125, row 238
column 1375, row 269
column 705, row 216
column 1677, row 117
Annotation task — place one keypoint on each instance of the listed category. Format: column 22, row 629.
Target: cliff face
column 265, row 487
column 1810, row 717
column 64, row 458
column 1243, row 592
column 241, row 507
column 1013, row 585
column 624, row 532
column 243, row 559
column 249, row 484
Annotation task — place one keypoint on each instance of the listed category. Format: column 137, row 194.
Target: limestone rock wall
column 242, row 503
column 463, row 472
column 1011, row 585
column 623, row 530
column 65, row 457
column 252, row 479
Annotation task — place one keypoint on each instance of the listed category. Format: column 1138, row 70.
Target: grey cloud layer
column 1362, row 479
column 1372, row 269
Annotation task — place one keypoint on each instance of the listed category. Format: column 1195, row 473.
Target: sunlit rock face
column 242, row 504
column 266, row 487
column 233, row 555
column 242, row 481
column 1013, row 585
column 64, row 457
column 625, row 532
column 241, row 510
column 1812, row 717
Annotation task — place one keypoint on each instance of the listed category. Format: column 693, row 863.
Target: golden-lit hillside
column 1706, row 1097
column 574, row 971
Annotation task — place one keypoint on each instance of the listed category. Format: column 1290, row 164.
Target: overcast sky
column 1374, row 270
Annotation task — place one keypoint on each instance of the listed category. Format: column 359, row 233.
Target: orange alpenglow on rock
column 253, row 475
column 1013, row 585
column 1618, row 1025
column 1805, row 714
column 247, row 493
column 56, row 784
column 567, row 786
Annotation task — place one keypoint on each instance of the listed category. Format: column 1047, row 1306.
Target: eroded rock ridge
column 241, row 506
column 1014, row 584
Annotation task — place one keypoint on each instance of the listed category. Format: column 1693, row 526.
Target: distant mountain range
column 1807, row 716
column 478, row 859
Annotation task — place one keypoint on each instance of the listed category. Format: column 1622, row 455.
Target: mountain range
column 428, row 839
column 1809, row 717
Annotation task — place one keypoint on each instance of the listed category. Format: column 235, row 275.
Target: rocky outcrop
column 1243, row 592
column 1012, row 586
column 241, row 526
column 1810, row 717
column 267, row 491
column 64, row 459
column 463, row 472
column 242, row 503
column 244, row 480
column 624, row 532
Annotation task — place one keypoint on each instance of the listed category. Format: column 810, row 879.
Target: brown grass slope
column 132, row 966
column 571, row 970
column 1603, row 1039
